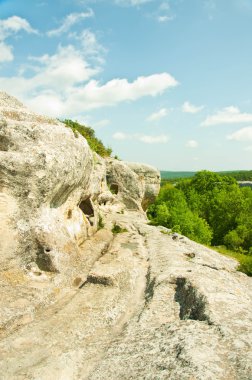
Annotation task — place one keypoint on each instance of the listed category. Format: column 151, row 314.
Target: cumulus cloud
column 8, row 28
column 65, row 68
column 147, row 139
column 69, row 21
column 192, row 144
column 14, row 24
column 91, row 47
column 157, row 115
column 190, row 108
column 62, row 85
column 228, row 115
column 121, row 136
column 243, row 134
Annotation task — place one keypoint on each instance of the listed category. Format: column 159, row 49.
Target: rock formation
column 88, row 289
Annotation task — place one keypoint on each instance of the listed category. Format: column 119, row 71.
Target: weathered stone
column 136, row 185
column 150, row 178
column 77, row 303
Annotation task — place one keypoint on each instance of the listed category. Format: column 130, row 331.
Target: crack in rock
column 192, row 303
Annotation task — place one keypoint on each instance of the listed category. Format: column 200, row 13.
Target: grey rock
column 136, row 185
column 78, row 302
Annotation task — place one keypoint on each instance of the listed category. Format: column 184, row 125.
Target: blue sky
column 167, row 83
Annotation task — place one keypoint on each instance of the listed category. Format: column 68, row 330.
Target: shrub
column 118, row 229
column 89, row 134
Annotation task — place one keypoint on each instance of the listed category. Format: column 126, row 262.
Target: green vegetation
column 211, row 209
column 244, row 260
column 118, row 229
column 89, row 134
column 100, row 223
column 172, row 177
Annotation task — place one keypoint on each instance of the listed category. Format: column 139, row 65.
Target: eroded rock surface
column 136, row 185
column 79, row 302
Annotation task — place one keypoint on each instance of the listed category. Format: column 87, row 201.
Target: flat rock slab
column 148, row 310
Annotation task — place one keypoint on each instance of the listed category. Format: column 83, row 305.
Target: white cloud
column 14, row 24
column 228, row 115
column 164, row 13
column 65, row 68
column 243, row 134
column 89, row 42
column 63, row 84
column 5, row 53
column 101, row 123
column 69, row 21
column 190, row 108
column 94, row 95
column 157, row 115
column 89, row 121
column 91, row 47
column 9, row 27
column 165, row 18
column 132, row 2
column 147, row 139
column 154, row 139
column 192, row 144
column 120, row 136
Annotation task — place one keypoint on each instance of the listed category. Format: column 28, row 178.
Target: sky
column 167, row 83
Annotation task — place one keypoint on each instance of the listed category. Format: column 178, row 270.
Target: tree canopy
column 208, row 208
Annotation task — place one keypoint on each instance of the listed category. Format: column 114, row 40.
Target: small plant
column 166, row 232
column 118, row 229
column 100, row 223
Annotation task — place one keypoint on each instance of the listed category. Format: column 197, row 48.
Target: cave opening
column 114, row 188
column 88, row 210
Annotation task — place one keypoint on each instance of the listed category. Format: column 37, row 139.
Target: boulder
column 136, row 185
column 45, row 173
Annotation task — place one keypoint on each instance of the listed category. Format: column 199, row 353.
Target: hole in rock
column 114, row 188
column 100, row 280
column 5, row 144
column 87, row 209
column 192, row 303
column 69, row 214
column 44, row 261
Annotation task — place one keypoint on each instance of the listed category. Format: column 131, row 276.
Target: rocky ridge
column 81, row 302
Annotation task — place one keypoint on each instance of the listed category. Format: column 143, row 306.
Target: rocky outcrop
column 53, row 190
column 89, row 290
column 136, row 185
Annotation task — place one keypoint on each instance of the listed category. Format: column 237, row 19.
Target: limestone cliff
column 81, row 302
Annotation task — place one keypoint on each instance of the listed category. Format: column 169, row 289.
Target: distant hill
column 175, row 175
column 239, row 175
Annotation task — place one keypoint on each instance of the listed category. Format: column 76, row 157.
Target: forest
column 239, row 175
column 211, row 209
